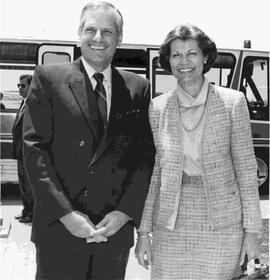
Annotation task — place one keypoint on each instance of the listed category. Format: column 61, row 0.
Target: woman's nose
column 183, row 58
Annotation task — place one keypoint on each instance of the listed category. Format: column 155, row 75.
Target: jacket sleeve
column 38, row 136
column 245, row 165
column 148, row 212
column 142, row 154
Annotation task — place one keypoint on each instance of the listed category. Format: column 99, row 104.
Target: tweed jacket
column 227, row 159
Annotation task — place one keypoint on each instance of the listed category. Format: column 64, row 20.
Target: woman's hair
column 94, row 5
column 185, row 32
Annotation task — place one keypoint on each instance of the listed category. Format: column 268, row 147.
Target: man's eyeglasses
column 21, row 85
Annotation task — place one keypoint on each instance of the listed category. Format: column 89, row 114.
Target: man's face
column 23, row 87
column 99, row 38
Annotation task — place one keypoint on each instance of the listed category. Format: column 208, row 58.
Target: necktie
column 101, row 97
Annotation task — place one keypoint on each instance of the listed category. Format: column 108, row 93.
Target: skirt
column 193, row 251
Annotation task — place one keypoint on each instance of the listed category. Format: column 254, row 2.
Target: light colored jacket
column 227, row 159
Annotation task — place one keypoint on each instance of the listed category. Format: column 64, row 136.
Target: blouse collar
column 187, row 101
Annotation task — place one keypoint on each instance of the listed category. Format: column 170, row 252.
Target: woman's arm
column 245, row 165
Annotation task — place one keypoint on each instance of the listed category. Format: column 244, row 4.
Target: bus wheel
column 262, row 175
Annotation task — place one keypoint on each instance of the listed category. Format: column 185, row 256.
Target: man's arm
column 38, row 136
column 142, row 155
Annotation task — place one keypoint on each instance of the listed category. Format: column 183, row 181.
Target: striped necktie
column 100, row 94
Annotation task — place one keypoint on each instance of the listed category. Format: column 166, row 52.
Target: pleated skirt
column 193, row 251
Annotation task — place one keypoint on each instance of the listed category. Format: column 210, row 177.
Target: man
column 2, row 106
column 25, row 189
column 89, row 155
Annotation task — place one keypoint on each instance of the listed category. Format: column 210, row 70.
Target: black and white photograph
column 134, row 140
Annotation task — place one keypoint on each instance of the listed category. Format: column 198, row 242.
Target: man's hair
column 27, row 77
column 95, row 5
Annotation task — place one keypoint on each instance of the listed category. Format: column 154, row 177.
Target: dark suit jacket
column 64, row 157
column 17, row 135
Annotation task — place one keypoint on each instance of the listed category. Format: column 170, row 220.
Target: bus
column 242, row 69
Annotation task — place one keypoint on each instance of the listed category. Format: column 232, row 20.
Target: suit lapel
column 120, row 103
column 171, row 133
column 82, row 90
column 19, row 114
column 171, row 148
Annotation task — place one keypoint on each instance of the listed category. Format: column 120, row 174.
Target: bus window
column 161, row 81
column 133, row 60
column 18, row 53
column 255, row 85
column 55, row 57
column 222, row 71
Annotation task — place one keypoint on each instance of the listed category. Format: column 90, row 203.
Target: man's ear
column 120, row 40
column 79, row 37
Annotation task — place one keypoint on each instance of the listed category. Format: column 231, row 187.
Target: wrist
column 66, row 217
column 144, row 235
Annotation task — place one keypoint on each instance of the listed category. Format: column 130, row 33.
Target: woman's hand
column 250, row 247
column 143, row 251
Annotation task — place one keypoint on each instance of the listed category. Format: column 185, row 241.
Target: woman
column 202, row 208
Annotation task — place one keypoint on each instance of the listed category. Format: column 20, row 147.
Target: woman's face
column 186, row 61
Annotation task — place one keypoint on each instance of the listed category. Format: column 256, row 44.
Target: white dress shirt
column 107, row 82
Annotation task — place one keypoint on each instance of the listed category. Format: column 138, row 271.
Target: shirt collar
column 91, row 71
column 186, row 100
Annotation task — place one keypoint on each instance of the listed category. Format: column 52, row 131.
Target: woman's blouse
column 192, row 116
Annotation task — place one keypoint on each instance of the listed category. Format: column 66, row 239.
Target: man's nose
column 98, row 35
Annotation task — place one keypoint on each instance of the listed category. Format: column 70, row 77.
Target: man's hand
column 112, row 222
column 79, row 225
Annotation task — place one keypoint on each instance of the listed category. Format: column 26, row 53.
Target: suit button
column 92, row 171
column 118, row 116
column 81, row 143
column 85, row 193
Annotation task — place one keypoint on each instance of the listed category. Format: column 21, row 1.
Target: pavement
column 17, row 252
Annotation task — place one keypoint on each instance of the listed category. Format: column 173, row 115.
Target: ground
column 17, row 253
